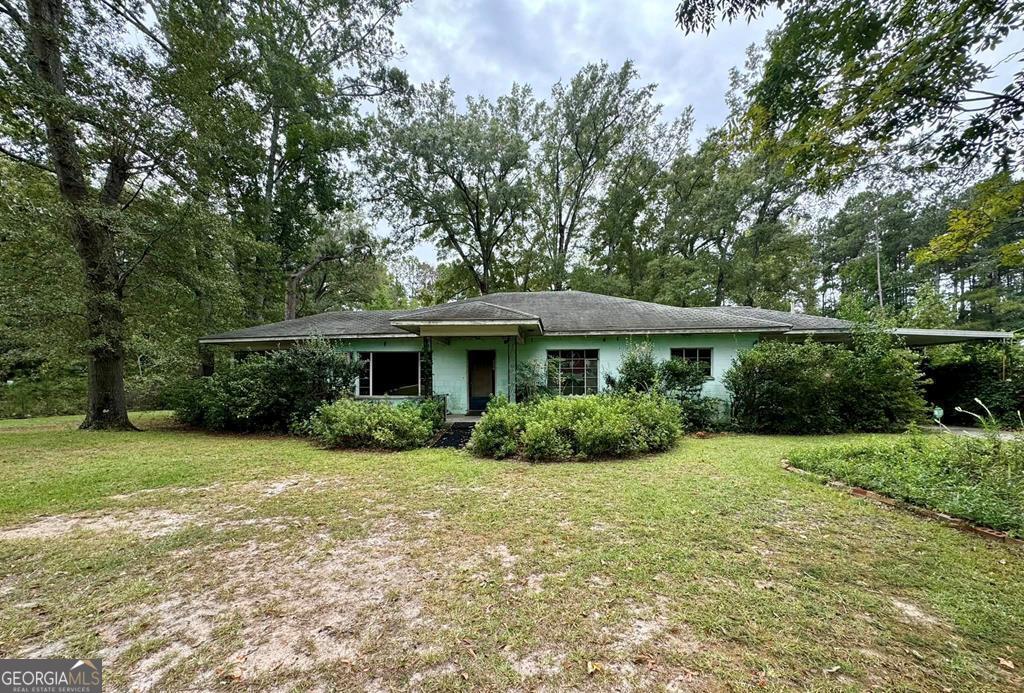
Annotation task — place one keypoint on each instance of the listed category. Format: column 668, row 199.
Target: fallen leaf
column 595, row 667
column 1006, row 663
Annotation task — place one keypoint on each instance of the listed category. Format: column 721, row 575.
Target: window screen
column 573, row 371
column 701, row 355
column 389, row 373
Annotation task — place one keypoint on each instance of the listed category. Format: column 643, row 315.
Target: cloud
column 486, row 45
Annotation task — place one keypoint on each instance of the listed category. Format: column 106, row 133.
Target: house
column 471, row 350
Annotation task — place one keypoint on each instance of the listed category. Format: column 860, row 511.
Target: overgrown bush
column 349, row 423
column 562, row 428
column 676, row 379
column 779, row 387
column 639, row 371
column 978, row 479
column 270, row 392
column 532, row 378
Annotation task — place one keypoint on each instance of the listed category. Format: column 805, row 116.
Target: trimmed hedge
column 350, row 423
column 565, row 428
column 978, row 479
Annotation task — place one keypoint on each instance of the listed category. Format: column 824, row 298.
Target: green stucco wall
column 724, row 348
column 450, row 366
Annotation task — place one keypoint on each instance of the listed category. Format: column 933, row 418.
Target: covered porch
column 473, row 350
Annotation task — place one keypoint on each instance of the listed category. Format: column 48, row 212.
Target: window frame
column 362, row 356
column 680, row 353
column 556, row 355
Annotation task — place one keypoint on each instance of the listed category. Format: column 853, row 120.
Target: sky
column 486, row 45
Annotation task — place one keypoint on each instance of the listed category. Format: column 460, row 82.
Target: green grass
column 202, row 561
column 977, row 479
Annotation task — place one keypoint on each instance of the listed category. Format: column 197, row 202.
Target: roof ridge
column 436, row 306
column 714, row 309
column 463, row 302
column 511, row 310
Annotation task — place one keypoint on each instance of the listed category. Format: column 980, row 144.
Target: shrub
column 532, row 378
column 685, row 378
column 700, row 413
column 350, row 423
column 978, row 479
column 561, row 428
column 432, row 409
column 44, row 393
column 676, row 379
column 778, row 387
column 497, row 433
column 638, row 371
column 266, row 392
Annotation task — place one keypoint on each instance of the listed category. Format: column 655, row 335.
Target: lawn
column 190, row 560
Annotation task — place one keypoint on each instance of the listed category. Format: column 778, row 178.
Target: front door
column 481, row 379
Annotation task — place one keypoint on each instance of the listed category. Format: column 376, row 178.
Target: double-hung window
column 699, row 355
column 572, row 371
column 389, row 374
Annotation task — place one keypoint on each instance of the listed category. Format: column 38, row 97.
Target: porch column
column 427, row 368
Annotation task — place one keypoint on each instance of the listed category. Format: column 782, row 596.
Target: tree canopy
column 184, row 167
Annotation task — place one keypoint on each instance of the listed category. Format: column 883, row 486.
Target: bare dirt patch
column 295, row 608
column 147, row 523
column 652, row 629
column 545, row 663
column 914, row 614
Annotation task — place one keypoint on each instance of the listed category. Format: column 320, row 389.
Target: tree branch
column 25, row 160
column 135, row 22
column 12, row 12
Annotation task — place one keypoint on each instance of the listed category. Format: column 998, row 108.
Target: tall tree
column 597, row 118
column 849, row 80
column 865, row 249
column 283, row 93
column 82, row 99
column 979, row 251
column 342, row 269
column 458, row 178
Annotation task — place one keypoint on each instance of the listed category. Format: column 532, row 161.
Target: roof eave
column 671, row 330
column 302, row 338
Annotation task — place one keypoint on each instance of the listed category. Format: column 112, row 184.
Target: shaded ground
column 195, row 561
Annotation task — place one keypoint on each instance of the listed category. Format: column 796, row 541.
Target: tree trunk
column 268, row 188
column 91, row 230
column 291, row 295
column 108, row 407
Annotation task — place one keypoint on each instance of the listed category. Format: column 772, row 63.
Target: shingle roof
column 466, row 310
column 579, row 312
column 799, row 321
column 353, row 323
column 562, row 313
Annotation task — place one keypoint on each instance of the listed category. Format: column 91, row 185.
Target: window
column 389, row 373
column 701, row 355
column 573, row 371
